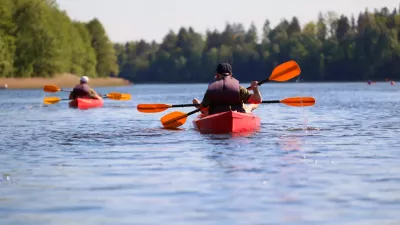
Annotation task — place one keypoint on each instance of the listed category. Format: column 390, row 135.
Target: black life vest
column 81, row 91
column 224, row 95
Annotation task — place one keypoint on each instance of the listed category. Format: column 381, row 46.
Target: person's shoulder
column 212, row 81
column 242, row 88
column 86, row 85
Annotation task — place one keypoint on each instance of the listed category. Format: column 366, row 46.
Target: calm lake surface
column 337, row 162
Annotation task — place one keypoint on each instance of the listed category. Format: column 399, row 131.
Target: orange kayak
column 227, row 122
column 86, row 103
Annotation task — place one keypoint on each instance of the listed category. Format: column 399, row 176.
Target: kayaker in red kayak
column 83, row 90
column 225, row 93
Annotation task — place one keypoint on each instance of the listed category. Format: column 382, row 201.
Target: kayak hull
column 227, row 122
column 86, row 103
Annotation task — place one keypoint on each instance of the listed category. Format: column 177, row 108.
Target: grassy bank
column 64, row 81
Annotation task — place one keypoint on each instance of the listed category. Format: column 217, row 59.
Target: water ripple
column 333, row 163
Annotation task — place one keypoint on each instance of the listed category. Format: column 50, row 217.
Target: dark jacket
column 224, row 95
column 82, row 91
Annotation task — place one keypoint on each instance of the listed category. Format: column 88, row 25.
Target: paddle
column 155, row 108
column 53, row 88
column 176, row 119
column 112, row 96
column 283, row 72
column 303, row 101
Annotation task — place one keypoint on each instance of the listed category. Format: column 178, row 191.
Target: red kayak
column 227, row 122
column 86, row 103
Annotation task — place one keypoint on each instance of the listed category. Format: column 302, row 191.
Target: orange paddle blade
column 152, row 108
column 51, row 88
column 114, row 95
column 174, row 119
column 285, row 71
column 51, row 100
column 125, row 97
column 118, row 96
column 299, row 101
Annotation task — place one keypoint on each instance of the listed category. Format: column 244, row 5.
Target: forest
column 37, row 39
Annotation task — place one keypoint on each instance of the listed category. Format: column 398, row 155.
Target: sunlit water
column 337, row 162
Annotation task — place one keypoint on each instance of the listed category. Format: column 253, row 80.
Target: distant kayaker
column 83, row 90
column 225, row 93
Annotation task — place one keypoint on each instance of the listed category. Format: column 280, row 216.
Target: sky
column 132, row 20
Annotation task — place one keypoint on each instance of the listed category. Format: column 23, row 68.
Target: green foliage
column 333, row 48
column 39, row 40
column 7, row 40
column 105, row 53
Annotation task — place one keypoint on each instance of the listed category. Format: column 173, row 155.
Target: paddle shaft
column 190, row 105
column 184, row 105
column 271, row 101
column 193, row 112
column 260, row 83
column 196, row 105
column 64, row 99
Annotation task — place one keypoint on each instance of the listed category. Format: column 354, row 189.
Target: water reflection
column 230, row 136
column 290, row 143
column 106, row 157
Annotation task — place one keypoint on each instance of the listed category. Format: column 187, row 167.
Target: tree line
column 333, row 48
column 37, row 39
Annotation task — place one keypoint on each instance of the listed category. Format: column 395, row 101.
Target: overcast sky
column 128, row 20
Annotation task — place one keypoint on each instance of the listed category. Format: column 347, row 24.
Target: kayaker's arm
column 93, row 94
column 205, row 102
column 72, row 94
column 256, row 97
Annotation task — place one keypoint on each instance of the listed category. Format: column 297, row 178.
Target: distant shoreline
column 247, row 82
column 70, row 80
column 63, row 81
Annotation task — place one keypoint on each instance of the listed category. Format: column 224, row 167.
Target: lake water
column 337, row 162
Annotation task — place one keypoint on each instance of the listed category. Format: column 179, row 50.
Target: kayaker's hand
column 195, row 101
column 255, row 98
column 254, row 85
